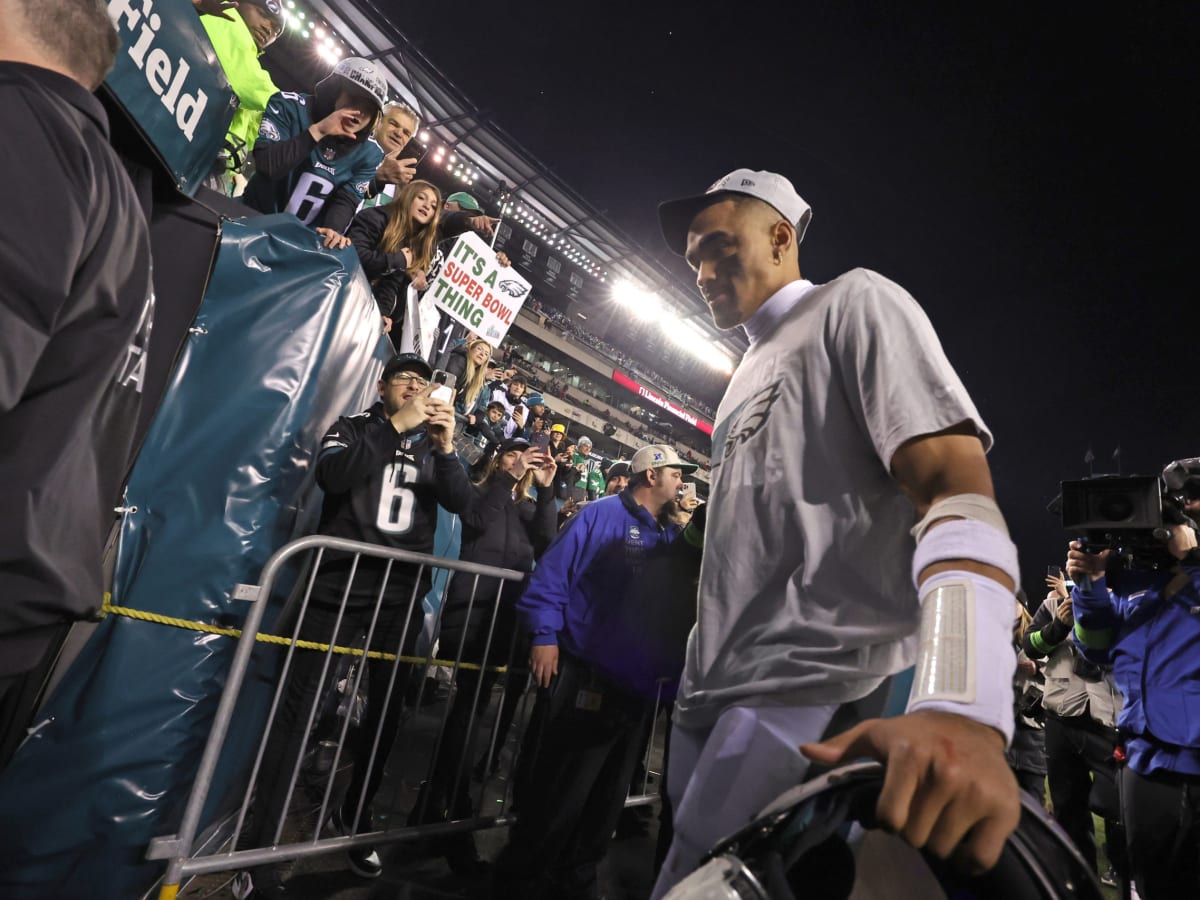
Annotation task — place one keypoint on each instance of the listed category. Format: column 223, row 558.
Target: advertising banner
column 168, row 79
column 658, row 400
column 474, row 289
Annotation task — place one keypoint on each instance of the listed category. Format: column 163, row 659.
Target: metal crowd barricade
column 186, row 857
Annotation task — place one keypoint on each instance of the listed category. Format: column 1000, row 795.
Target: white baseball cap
column 658, row 456
column 674, row 216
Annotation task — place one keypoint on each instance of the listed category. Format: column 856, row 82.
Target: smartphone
column 1054, row 572
column 445, row 385
column 414, row 149
column 688, row 491
column 541, row 440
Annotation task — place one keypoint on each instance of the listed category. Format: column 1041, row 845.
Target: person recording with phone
column 1145, row 621
column 384, row 472
column 511, row 520
column 395, row 133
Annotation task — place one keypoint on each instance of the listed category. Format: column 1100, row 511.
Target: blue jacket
column 577, row 596
column 1152, row 642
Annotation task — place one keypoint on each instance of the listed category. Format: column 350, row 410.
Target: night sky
column 1021, row 172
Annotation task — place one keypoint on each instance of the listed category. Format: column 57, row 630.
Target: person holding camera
column 511, row 520
column 1147, row 625
column 384, row 472
column 1080, row 702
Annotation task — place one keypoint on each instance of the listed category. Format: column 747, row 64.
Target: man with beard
column 75, row 310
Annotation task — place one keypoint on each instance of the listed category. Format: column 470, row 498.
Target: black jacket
column 496, row 532
column 74, row 285
column 386, row 271
column 383, row 487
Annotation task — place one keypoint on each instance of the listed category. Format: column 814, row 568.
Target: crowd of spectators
column 642, row 422
column 571, row 330
column 609, row 550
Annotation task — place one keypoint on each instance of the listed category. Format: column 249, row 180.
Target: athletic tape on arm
column 965, row 659
column 979, row 507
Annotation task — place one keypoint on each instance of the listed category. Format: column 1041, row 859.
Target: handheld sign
column 474, row 289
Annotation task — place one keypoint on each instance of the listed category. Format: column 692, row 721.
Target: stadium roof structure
column 488, row 160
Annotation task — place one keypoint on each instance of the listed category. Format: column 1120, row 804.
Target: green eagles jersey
column 589, row 466
column 333, row 164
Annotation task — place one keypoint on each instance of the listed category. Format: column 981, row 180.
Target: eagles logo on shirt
column 268, row 130
column 330, row 153
column 750, row 419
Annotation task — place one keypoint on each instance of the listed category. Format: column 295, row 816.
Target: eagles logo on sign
column 751, row 418
column 512, row 287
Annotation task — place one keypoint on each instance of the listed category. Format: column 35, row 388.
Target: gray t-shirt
column 806, row 591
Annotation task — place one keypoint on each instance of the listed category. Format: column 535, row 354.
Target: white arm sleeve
column 965, row 659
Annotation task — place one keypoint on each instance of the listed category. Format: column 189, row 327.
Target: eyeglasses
column 408, row 378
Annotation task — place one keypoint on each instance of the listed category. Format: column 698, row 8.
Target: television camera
column 1131, row 515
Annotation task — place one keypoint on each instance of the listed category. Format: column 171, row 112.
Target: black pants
column 1082, row 778
column 570, row 786
column 305, row 686
column 446, row 795
column 1162, row 827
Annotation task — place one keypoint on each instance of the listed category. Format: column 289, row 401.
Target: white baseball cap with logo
column 658, row 456
column 674, row 216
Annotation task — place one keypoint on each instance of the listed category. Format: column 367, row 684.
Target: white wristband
column 967, row 539
column 965, row 659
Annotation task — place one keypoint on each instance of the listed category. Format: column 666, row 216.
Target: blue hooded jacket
column 578, row 597
column 1151, row 640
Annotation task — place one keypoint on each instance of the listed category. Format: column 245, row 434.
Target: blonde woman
column 468, row 364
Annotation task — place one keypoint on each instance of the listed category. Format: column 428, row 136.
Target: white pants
column 719, row 779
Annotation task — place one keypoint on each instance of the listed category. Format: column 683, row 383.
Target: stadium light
column 642, row 303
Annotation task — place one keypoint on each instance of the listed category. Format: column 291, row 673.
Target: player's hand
column 387, row 325
column 1081, row 564
column 218, row 8
column 394, row 170
column 947, row 787
column 543, row 663
column 333, row 240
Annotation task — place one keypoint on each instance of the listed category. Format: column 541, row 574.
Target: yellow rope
column 109, row 609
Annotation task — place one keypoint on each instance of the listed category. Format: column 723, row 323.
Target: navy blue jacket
column 577, row 596
column 1151, row 641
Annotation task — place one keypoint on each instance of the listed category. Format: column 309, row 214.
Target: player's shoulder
column 865, row 294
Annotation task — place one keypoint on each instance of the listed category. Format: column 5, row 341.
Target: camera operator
column 1148, row 627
